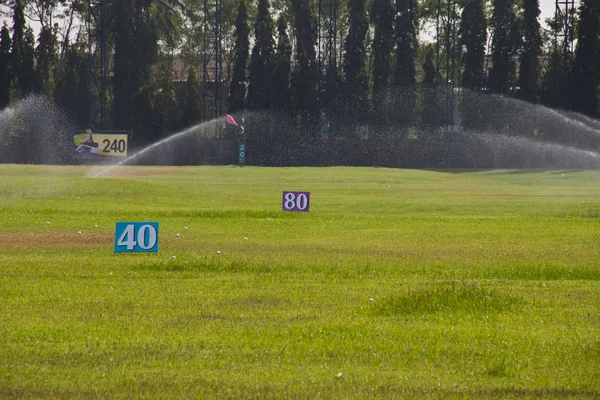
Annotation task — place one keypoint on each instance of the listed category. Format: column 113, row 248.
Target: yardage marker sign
column 296, row 201
column 136, row 237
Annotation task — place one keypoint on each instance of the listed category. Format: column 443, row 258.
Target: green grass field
column 484, row 284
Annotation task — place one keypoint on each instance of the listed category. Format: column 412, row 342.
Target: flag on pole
column 230, row 120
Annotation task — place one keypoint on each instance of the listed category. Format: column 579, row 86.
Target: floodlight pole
column 98, row 63
column 447, row 57
column 565, row 19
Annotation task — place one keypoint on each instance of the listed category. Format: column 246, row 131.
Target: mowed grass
column 396, row 284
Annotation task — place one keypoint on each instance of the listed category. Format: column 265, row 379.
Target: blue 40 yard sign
column 136, row 237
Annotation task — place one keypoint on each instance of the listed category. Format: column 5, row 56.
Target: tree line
column 381, row 102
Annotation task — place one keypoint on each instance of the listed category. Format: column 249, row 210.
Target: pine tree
column 124, row 82
column 555, row 90
column 192, row 111
column 5, row 67
column 473, row 39
column 529, row 62
column 355, row 89
column 382, row 15
column 430, row 115
column 283, row 67
column 237, row 89
column 27, row 68
column 72, row 92
column 404, row 73
column 166, row 111
column 46, row 58
column 18, row 44
column 136, row 49
column 406, row 41
column 262, row 61
column 503, row 47
column 586, row 67
column 304, row 76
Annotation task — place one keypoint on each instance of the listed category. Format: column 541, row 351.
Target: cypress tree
column 382, row 16
column 262, row 61
column 192, row 111
column 18, row 44
column 304, row 76
column 283, row 67
column 136, row 50
column 430, row 115
column 529, row 64
column 355, row 76
column 237, row 89
column 5, row 64
column 473, row 39
column 404, row 73
column 27, row 70
column 555, row 90
column 46, row 58
column 72, row 92
column 586, row 67
column 124, row 82
column 502, row 70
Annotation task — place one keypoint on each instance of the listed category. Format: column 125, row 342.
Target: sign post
column 100, row 144
column 242, row 152
column 296, row 201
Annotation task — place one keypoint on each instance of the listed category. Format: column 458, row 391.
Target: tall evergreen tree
column 283, row 67
column 355, row 92
column 27, row 71
column 136, row 38
column 529, row 62
column 304, row 76
column 503, row 48
column 18, row 46
column 586, row 67
column 237, row 88
column 167, row 113
column 262, row 61
column 555, row 90
column 430, row 106
column 46, row 57
column 192, row 111
column 382, row 15
column 404, row 73
column 124, row 83
column 72, row 91
column 406, row 41
column 473, row 39
column 5, row 66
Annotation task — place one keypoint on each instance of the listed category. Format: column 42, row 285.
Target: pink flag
column 230, row 120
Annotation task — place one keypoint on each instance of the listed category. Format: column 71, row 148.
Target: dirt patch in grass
column 53, row 239
column 140, row 172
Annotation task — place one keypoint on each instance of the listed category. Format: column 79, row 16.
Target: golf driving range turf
column 396, row 284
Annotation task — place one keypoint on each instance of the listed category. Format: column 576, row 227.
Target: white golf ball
column 79, row 232
column 185, row 229
column 245, row 238
column 371, row 299
column 95, row 226
column 48, row 222
column 218, row 252
column 177, row 234
column 173, row 257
